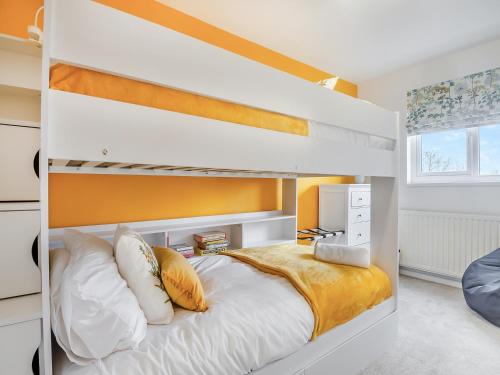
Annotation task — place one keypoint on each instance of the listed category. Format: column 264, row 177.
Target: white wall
column 390, row 90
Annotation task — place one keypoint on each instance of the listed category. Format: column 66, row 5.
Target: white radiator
column 445, row 243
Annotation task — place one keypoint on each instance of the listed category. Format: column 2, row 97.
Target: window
column 489, row 150
column 455, row 156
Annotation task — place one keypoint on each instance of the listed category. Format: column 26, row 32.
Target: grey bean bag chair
column 481, row 286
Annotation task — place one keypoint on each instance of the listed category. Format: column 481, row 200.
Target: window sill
column 452, row 184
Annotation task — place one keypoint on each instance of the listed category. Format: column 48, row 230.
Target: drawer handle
column 36, row 164
column 35, row 364
column 359, row 216
column 359, row 235
column 360, row 199
column 34, row 251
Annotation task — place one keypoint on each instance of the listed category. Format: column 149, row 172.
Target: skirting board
column 429, row 276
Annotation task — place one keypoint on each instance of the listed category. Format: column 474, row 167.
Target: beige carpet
column 439, row 335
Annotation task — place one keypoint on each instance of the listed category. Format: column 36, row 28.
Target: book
column 203, row 252
column 187, row 253
column 181, row 247
column 186, row 250
column 213, row 244
column 209, row 236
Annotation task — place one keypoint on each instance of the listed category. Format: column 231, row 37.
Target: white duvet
column 253, row 319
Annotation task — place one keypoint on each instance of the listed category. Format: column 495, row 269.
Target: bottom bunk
column 256, row 322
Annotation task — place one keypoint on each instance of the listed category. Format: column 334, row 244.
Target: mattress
column 78, row 80
column 253, row 319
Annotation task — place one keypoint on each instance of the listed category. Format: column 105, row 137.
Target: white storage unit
column 20, row 218
column 20, row 72
column 20, row 333
column 346, row 207
column 19, row 229
column 19, row 146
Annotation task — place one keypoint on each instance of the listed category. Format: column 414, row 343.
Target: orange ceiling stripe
column 163, row 15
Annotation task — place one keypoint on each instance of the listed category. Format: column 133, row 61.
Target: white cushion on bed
column 138, row 266
column 93, row 313
column 327, row 250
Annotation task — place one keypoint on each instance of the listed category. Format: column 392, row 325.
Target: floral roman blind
column 473, row 100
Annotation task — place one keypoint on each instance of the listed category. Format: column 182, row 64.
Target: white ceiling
column 355, row 39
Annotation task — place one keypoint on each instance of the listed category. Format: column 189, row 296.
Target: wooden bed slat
column 60, row 162
column 90, row 163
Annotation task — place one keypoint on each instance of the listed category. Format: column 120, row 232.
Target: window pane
column 444, row 151
column 489, row 146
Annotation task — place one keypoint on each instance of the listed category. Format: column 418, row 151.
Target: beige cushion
column 139, row 267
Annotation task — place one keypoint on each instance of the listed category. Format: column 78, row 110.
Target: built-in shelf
column 18, row 90
column 180, row 224
column 19, row 206
column 19, row 122
column 20, row 309
column 20, row 66
column 19, row 45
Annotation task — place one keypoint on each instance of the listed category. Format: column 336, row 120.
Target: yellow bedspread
column 336, row 293
column 89, row 82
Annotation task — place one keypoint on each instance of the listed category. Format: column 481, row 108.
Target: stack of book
column 186, row 250
column 211, row 243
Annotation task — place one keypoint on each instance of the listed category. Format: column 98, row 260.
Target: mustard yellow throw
column 336, row 293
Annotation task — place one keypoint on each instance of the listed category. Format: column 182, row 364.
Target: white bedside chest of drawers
column 346, row 207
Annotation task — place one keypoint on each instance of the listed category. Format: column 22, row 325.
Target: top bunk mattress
column 88, row 82
column 254, row 318
column 107, row 86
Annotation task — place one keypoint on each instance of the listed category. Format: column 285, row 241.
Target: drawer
column 18, row 344
column 18, row 159
column 19, row 273
column 359, row 233
column 359, row 215
column 360, row 198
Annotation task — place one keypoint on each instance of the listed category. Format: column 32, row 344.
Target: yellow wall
column 76, row 199
column 16, row 15
column 308, row 196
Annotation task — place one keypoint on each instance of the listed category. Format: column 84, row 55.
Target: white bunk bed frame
column 80, row 133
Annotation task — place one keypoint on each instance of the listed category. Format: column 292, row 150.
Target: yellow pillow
column 180, row 280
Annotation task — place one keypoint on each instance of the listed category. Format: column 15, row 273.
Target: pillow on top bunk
column 139, row 267
column 89, row 298
column 180, row 280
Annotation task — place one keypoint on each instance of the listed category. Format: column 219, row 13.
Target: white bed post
column 384, row 226
column 289, row 202
column 45, row 350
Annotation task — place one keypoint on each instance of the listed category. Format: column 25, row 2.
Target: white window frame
column 470, row 176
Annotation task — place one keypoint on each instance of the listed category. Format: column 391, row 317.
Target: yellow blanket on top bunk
column 336, row 293
column 89, row 82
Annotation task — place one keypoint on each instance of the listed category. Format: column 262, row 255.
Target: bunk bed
column 85, row 132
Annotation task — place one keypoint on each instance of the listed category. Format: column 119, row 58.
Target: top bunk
column 92, row 133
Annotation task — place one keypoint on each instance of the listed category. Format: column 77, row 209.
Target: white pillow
column 139, row 267
column 93, row 313
column 327, row 250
